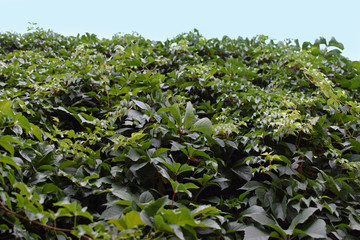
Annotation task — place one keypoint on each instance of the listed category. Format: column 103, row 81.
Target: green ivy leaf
column 203, row 125
column 180, row 217
column 4, row 142
column 161, row 225
column 335, row 43
column 189, row 114
column 8, row 160
column 253, row 233
column 204, row 209
column 5, row 108
column 149, row 212
column 36, row 131
column 175, row 111
column 252, row 185
column 353, row 223
column 141, row 105
column 317, row 229
column 74, row 208
column 127, row 221
column 300, row 218
column 159, row 151
column 259, row 215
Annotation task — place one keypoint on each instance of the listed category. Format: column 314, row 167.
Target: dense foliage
column 191, row 138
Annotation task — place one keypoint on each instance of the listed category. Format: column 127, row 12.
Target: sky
column 305, row 20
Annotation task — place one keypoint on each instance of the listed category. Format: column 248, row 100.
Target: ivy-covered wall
column 192, row 138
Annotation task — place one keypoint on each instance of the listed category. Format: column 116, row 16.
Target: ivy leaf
column 317, row 229
column 353, row 223
column 74, row 208
column 355, row 145
column 160, row 151
column 36, row 131
column 8, row 160
column 300, row 218
column 5, row 107
column 185, row 168
column 334, row 43
column 203, row 125
column 181, row 217
column 175, row 111
column 150, row 211
column 259, row 215
column 127, row 221
column 4, row 142
column 189, row 113
column 146, row 197
column 122, row 192
column 244, row 172
column 203, row 209
column 141, row 105
column 23, row 122
column 252, row 185
column 253, row 233
column 161, row 225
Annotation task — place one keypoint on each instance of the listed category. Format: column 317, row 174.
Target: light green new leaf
column 161, row 225
column 148, row 213
column 8, row 160
column 175, row 111
column 7, row 145
column 172, row 166
column 181, row 217
column 185, row 168
column 23, row 122
column 62, row 212
column 127, row 221
column 203, row 125
column 36, row 131
column 5, row 108
column 160, row 151
column 75, row 208
column 204, row 209
column 189, row 114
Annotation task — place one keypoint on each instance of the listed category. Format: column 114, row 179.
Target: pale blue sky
column 305, row 20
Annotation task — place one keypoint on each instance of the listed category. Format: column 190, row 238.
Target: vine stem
column 173, row 199
column 39, row 223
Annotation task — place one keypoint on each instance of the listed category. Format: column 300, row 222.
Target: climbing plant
column 191, row 138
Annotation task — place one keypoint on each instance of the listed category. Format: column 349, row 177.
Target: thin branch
column 39, row 223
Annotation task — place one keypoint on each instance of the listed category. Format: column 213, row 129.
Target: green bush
column 191, row 138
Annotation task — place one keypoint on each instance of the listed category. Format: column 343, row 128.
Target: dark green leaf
column 149, row 212
column 317, row 229
column 335, row 43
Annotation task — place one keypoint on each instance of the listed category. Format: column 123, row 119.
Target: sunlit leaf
column 203, row 125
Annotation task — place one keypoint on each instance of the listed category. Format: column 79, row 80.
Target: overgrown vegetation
column 191, row 138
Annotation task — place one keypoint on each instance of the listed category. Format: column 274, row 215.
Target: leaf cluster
column 191, row 138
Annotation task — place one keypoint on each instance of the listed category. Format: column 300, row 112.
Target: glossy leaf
column 253, row 233
column 203, row 125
